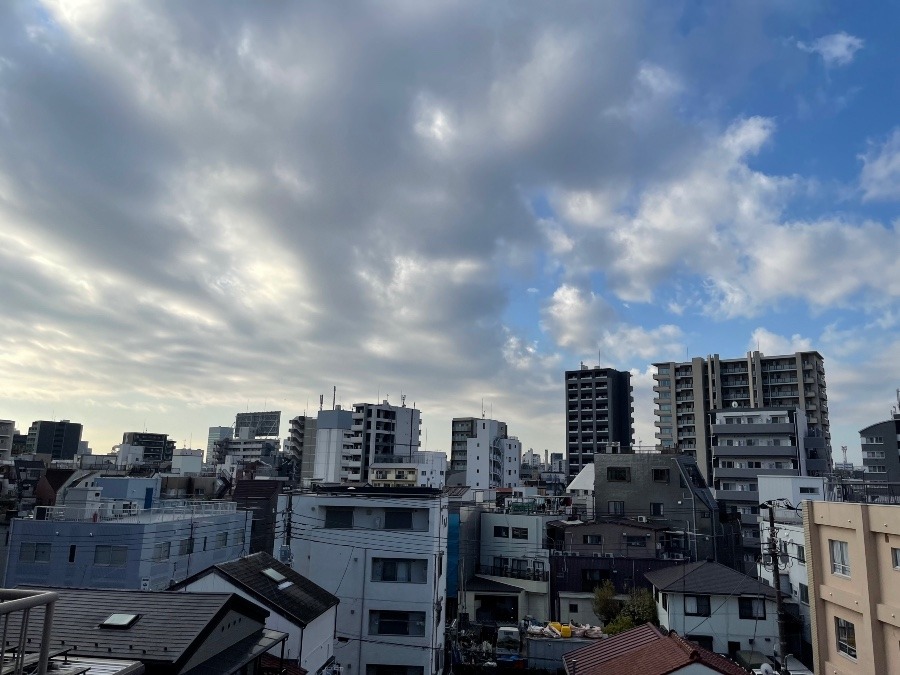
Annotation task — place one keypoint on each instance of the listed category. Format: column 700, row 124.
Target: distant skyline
column 209, row 207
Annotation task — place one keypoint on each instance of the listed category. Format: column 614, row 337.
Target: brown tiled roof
column 644, row 650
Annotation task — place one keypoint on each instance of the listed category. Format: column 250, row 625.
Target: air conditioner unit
column 595, row 555
column 608, row 555
column 642, row 519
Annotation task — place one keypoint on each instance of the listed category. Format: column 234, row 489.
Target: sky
column 209, row 207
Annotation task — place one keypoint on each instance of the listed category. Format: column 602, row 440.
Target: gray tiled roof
column 302, row 601
column 707, row 578
column 170, row 626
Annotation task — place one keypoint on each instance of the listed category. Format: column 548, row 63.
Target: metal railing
column 115, row 510
column 526, row 574
column 14, row 661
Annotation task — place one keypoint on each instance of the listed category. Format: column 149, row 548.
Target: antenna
column 321, row 401
column 402, row 400
column 844, row 450
column 333, row 396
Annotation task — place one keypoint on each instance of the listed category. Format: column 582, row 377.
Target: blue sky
column 212, row 206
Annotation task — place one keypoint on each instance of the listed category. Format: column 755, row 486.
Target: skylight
column 120, row 621
column 285, row 584
column 274, row 575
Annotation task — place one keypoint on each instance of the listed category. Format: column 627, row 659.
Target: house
column 382, row 551
column 647, row 650
column 169, row 633
column 717, row 607
column 91, row 541
column 297, row 606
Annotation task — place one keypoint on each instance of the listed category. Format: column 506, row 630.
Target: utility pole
column 776, row 579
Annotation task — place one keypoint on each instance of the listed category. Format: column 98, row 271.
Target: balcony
column 510, row 573
column 726, row 472
column 754, row 451
column 749, row 496
column 770, row 429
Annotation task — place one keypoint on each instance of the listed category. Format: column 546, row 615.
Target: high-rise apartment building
column 881, row 448
column 336, row 459
column 483, row 449
column 599, row 414
column 157, row 447
column 53, row 440
column 301, row 445
column 687, row 392
column 382, row 430
column 7, row 433
column 216, row 434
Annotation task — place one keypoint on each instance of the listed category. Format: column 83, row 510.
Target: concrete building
column 853, row 559
column 94, row 541
column 383, row 431
column 7, row 432
column 881, row 449
column 216, row 434
column 382, row 552
column 423, row 469
column 53, row 440
column 716, row 607
column 157, row 447
column 660, row 488
column 258, row 424
column 749, row 443
column 485, row 452
column 302, row 446
column 337, row 459
column 297, row 606
column 599, row 414
column 686, row 393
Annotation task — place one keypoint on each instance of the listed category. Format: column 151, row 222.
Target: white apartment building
column 336, row 457
column 382, row 552
column 7, row 431
column 488, row 455
column 423, row 469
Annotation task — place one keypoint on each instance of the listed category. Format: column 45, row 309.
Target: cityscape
column 449, row 338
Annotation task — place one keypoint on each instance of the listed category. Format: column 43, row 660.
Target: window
column 804, row 594
column 520, row 533
column 384, row 622
column 660, row 475
column 274, row 575
column 379, row 669
column 638, row 541
column 186, row 546
column 573, row 607
column 754, row 465
column 809, row 491
column 840, row 557
column 752, row 608
column 338, row 518
column 618, row 474
column 240, row 538
column 400, row 570
column 221, row 539
column 398, row 519
column 895, row 558
column 846, row 636
column 616, row 508
column 876, row 468
column 656, row 508
column 119, row 621
column 161, row 551
column 72, row 553
column 110, row 556
column 871, row 440
column 595, row 539
column 696, row 605
column 34, row 553
column 801, row 554
column 501, row 532
column 665, row 602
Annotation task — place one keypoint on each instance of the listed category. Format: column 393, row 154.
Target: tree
column 604, row 602
column 641, row 607
column 618, row 625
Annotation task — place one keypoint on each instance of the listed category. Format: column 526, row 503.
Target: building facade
column 686, row 392
column 157, row 447
column 599, row 414
column 337, row 459
column 382, row 552
column 880, row 444
column 216, row 434
column 423, row 469
column 7, row 432
column 261, row 424
column 484, row 451
column 53, row 440
column 853, row 559
column 301, row 445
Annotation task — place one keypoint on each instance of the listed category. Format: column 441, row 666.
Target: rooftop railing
column 15, row 608
column 122, row 511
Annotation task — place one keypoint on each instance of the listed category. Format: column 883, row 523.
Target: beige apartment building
column 853, row 559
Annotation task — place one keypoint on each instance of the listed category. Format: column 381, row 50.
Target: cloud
column 880, row 176
column 837, row 49
column 770, row 343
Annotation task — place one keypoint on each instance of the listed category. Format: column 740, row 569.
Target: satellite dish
column 734, row 404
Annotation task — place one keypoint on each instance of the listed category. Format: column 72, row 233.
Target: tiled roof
column 644, row 650
column 707, row 578
column 56, row 478
column 302, row 601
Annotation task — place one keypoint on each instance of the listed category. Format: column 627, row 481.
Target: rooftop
column 645, row 650
column 275, row 585
column 121, row 511
column 707, row 578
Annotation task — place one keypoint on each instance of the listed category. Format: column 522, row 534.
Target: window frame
column 335, row 518
column 613, row 475
column 112, row 550
column 747, row 606
column 395, row 619
column 402, row 514
column 845, row 637
column 501, row 531
column 699, row 601
column 840, row 564
column 517, row 532
column 619, row 511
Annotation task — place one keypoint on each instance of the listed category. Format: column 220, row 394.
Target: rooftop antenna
column 402, row 400
column 321, row 401
column 333, row 396
column 482, row 407
column 306, row 409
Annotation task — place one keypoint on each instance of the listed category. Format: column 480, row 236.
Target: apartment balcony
column 767, row 428
column 511, row 573
column 749, row 496
column 755, row 451
column 746, row 474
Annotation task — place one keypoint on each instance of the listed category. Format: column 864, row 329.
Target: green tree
column 641, row 607
column 618, row 625
column 604, row 602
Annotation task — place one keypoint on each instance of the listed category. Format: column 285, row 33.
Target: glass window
column 398, row 519
column 573, row 607
column 400, row 570
column 339, row 518
column 384, row 622
column 638, row 541
column 840, row 557
column 110, row 556
column 501, row 531
column 221, row 539
column 616, row 508
column 596, row 539
column 660, row 475
column 696, row 605
column 895, row 558
column 520, row 533
column 618, row 474
column 804, row 594
column 161, row 550
column 656, row 508
column 801, row 554
column 752, row 608
column 846, row 637
column 34, row 553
